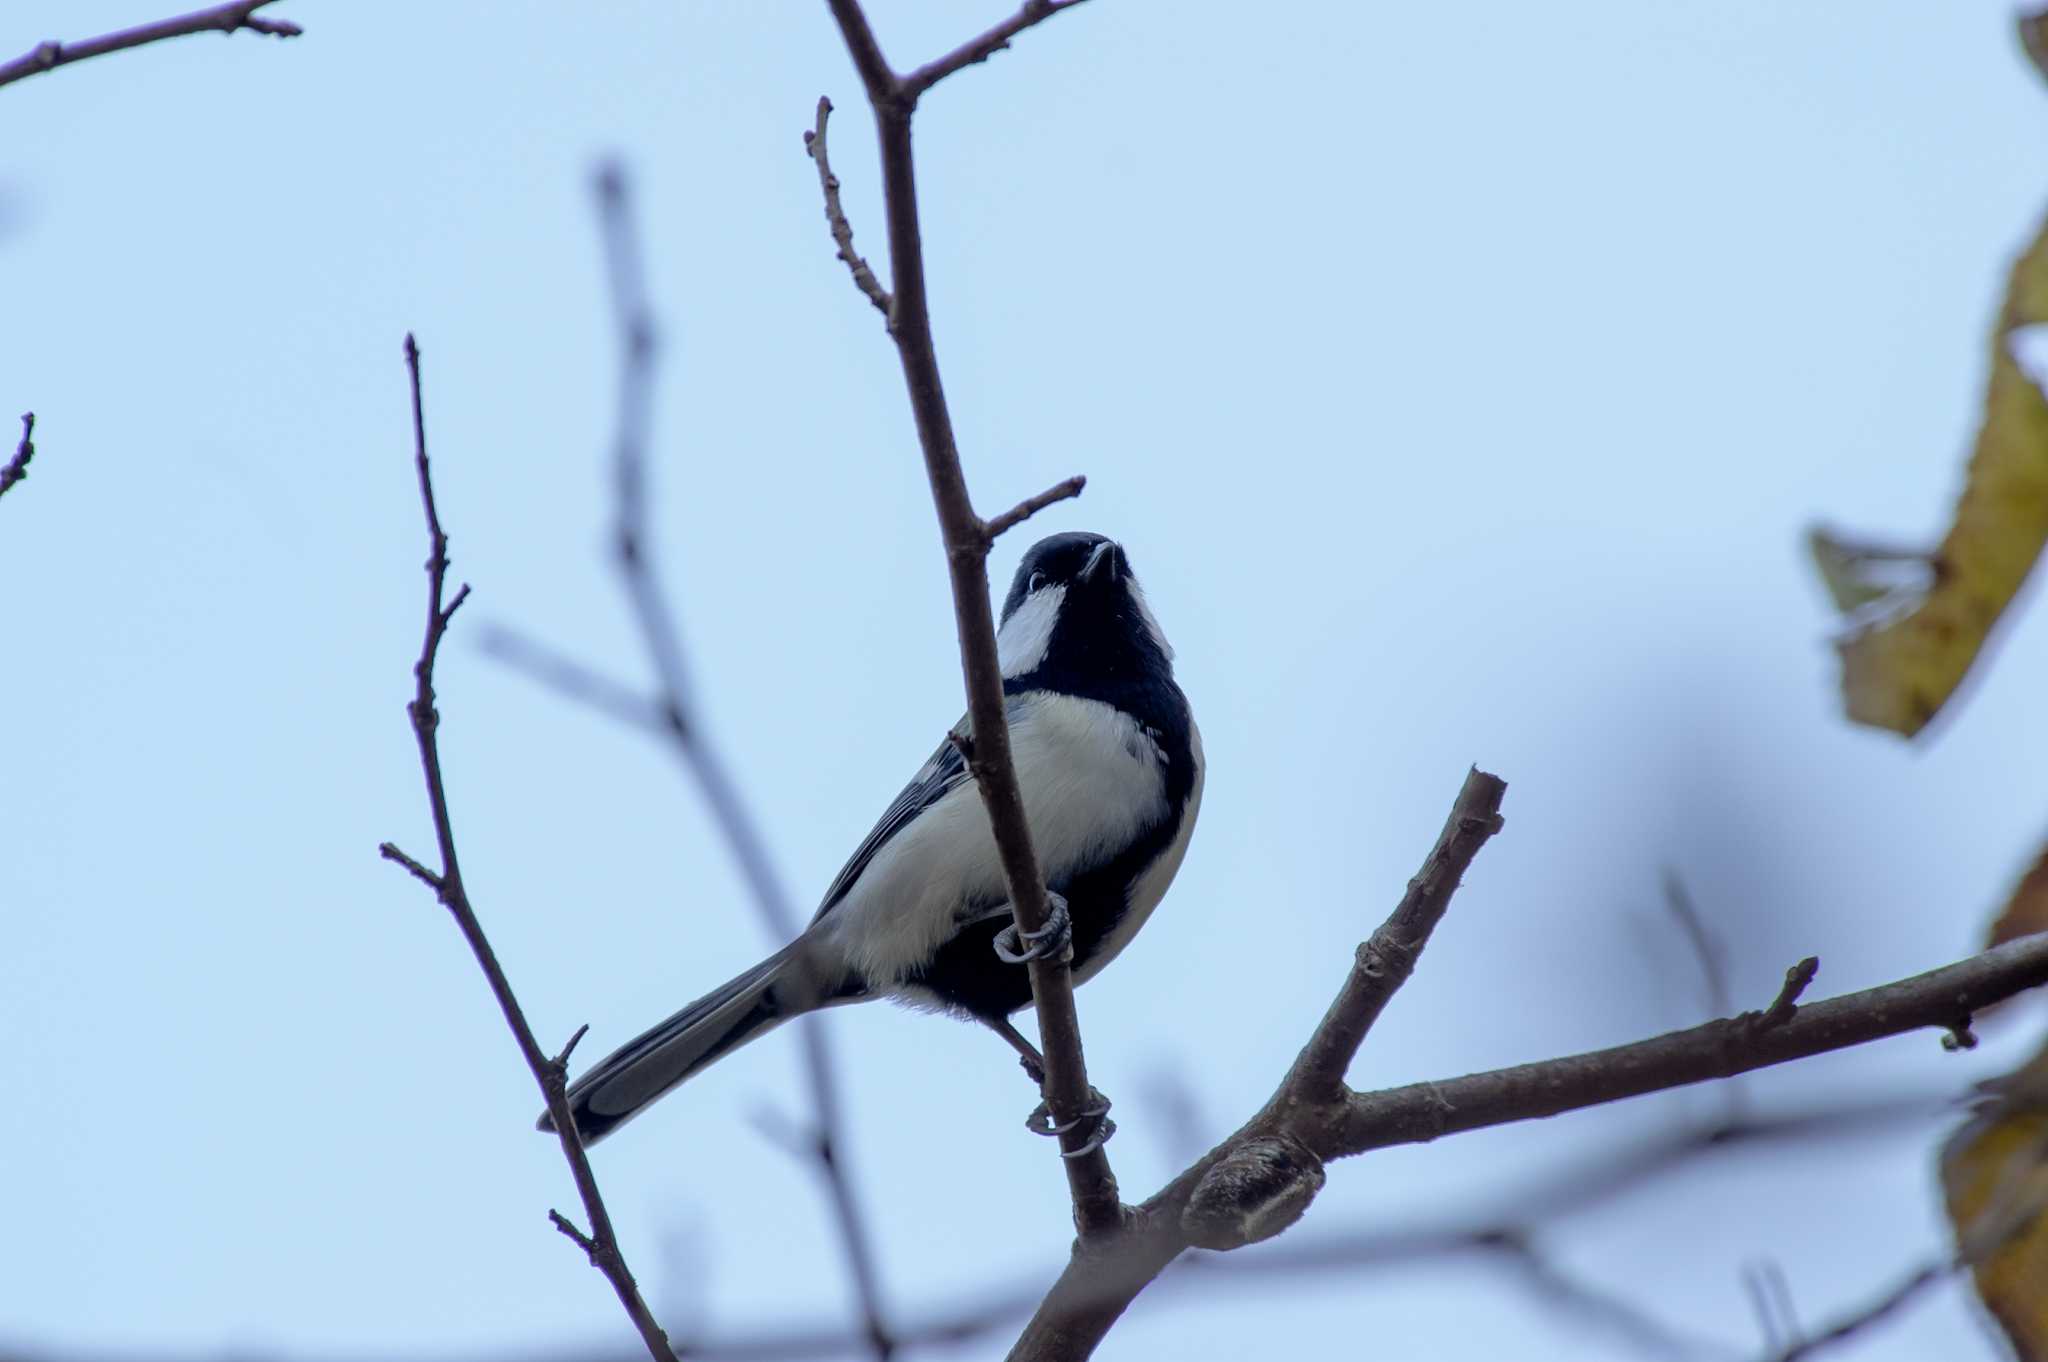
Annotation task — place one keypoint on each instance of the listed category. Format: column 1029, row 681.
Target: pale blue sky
column 1458, row 378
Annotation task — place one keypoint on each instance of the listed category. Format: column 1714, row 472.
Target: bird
column 1110, row 766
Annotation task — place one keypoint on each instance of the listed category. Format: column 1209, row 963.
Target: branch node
column 559, row 1065
column 578, row 1237
column 390, row 852
column 1783, row 1008
column 1252, row 1193
column 1959, row 1037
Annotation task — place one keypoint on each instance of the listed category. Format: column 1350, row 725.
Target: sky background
column 1460, row 380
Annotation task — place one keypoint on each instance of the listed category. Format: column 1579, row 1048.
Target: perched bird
column 1110, row 767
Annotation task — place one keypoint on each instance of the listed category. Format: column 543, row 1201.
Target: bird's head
column 1075, row 611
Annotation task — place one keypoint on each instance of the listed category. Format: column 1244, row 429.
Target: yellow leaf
column 2026, row 912
column 1994, row 1173
column 1915, row 622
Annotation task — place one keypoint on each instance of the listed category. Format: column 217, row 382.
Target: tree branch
column 1031, row 506
column 1260, row 1180
column 1719, row 1049
column 17, row 467
column 835, row 214
column 1311, row 1126
column 982, row 48
column 218, row 18
column 1098, row 1209
column 601, row 1244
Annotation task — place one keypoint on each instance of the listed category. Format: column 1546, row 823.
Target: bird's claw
column 1015, row 946
column 1093, row 1118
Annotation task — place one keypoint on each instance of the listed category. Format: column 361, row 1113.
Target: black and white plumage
column 1109, row 764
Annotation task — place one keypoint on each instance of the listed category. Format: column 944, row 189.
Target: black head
column 1076, row 620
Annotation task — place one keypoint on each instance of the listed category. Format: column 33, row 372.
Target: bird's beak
column 1105, row 552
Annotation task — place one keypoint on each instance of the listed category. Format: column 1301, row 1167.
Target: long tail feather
column 632, row 1077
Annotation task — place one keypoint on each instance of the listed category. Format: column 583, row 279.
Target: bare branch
column 571, row 680
column 982, row 48
column 1386, row 959
column 835, row 214
column 1102, row 1278
column 1236, row 1181
column 1098, row 1209
column 1031, row 506
column 602, row 1243
column 17, row 467
column 675, row 717
column 218, row 18
column 1719, row 1049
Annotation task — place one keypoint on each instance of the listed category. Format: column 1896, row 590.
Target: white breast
column 1151, row 886
column 1090, row 780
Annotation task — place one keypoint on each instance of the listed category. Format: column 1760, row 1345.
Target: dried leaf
column 1994, row 1173
column 1914, row 623
column 2026, row 912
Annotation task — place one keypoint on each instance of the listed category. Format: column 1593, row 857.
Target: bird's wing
column 934, row 780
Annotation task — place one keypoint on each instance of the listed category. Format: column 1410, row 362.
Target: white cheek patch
column 1146, row 618
column 1024, row 637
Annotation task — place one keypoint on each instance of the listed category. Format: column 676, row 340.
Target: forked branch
column 549, row 1072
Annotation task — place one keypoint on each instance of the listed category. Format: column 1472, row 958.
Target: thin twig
column 1098, row 1209
column 981, row 48
column 1031, row 506
column 217, row 18
column 1784, row 1007
column 601, row 1244
column 835, row 214
column 17, row 467
column 2006, row 1215
column 686, row 734
column 1706, row 950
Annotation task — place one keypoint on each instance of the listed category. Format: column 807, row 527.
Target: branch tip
column 1031, row 506
column 835, row 217
column 226, row 18
column 1783, row 1007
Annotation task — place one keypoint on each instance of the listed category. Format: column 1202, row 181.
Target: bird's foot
column 1093, row 1119
column 1056, row 938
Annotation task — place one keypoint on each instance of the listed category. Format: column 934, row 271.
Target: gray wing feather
column 933, row 781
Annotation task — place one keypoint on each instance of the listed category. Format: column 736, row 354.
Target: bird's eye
column 1037, row 581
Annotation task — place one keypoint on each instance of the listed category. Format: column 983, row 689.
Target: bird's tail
column 632, row 1077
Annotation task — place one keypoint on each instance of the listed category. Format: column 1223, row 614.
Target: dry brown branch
column 1260, row 1180
column 17, row 467
column 227, row 18
column 1098, row 1210
column 550, row 1073
column 835, row 214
